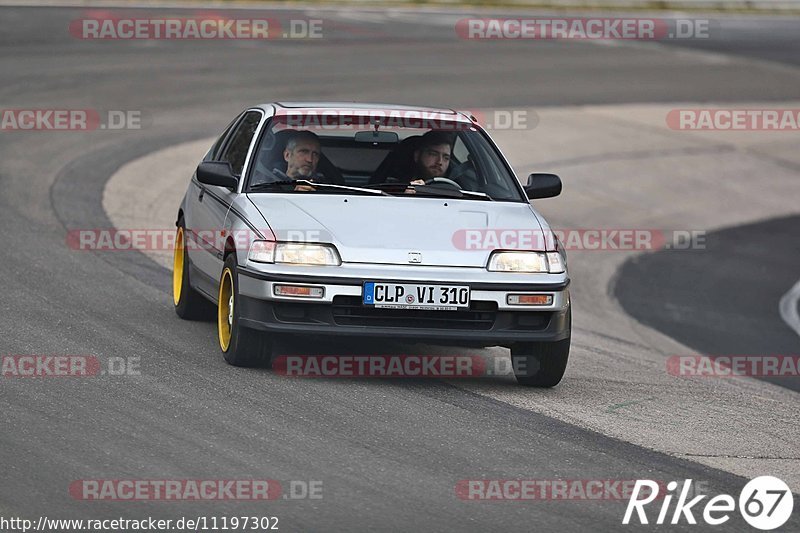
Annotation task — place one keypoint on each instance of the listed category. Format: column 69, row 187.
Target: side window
column 214, row 153
column 460, row 151
column 236, row 151
column 490, row 167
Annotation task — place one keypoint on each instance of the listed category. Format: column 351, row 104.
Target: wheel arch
column 230, row 248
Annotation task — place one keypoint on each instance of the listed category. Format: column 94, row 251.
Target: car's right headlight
column 293, row 253
column 532, row 262
column 306, row 254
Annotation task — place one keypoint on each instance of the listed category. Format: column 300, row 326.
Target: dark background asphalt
column 744, row 272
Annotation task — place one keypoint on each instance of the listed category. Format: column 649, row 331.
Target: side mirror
column 217, row 173
column 543, row 186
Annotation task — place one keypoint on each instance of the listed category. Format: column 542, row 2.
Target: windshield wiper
column 340, row 187
column 270, row 184
column 477, row 194
column 430, row 190
column 259, row 186
column 402, row 186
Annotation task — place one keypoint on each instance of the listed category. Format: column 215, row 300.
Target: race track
column 390, row 453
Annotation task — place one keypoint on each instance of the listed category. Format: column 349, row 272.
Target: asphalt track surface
column 711, row 321
column 389, row 453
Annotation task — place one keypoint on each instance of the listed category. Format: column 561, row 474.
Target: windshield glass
column 445, row 158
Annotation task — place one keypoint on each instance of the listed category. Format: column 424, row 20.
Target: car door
column 211, row 205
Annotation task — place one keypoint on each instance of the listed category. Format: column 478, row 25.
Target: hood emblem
column 414, row 257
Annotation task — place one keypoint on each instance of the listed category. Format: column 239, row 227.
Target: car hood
column 398, row 231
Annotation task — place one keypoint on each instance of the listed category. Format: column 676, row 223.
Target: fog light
column 530, row 299
column 299, row 291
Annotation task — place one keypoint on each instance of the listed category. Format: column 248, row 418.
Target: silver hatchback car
column 371, row 220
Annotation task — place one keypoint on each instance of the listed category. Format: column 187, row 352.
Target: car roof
column 359, row 108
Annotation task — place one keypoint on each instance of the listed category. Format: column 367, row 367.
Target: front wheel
column 540, row 364
column 240, row 346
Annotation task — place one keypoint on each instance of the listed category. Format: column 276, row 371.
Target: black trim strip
column 195, row 272
column 329, row 280
column 203, row 244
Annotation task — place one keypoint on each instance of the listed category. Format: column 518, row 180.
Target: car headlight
column 262, row 252
column 555, row 263
column 293, row 253
column 306, row 254
column 549, row 262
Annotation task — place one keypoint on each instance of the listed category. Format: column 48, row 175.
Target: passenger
column 431, row 158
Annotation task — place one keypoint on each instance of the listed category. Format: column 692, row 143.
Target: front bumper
column 489, row 321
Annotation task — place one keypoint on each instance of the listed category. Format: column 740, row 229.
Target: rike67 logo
column 765, row 503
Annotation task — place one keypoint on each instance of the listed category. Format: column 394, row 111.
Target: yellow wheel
column 241, row 346
column 189, row 304
column 177, row 267
column 225, row 309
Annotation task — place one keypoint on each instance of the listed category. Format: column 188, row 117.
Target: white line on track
column 788, row 308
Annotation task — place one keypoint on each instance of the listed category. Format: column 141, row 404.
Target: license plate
column 416, row 296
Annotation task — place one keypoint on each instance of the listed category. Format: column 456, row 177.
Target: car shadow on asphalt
column 444, row 363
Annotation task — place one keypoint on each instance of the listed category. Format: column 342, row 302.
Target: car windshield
column 446, row 159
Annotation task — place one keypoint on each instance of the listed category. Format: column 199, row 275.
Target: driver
column 302, row 157
column 431, row 158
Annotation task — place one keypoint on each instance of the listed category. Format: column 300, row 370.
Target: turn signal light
column 301, row 291
column 530, row 299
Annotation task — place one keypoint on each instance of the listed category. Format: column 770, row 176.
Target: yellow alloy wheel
column 177, row 267
column 225, row 309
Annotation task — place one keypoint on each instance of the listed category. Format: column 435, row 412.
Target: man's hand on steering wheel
column 438, row 179
column 441, row 179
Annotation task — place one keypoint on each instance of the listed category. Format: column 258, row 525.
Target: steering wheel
column 443, row 180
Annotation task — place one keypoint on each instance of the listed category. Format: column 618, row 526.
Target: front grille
column 349, row 311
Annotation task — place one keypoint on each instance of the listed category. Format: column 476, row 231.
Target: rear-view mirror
column 384, row 137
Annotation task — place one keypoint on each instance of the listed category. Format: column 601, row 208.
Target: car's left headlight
column 306, row 254
column 537, row 262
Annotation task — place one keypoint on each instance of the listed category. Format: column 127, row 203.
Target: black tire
column 245, row 347
column 541, row 364
column 189, row 304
